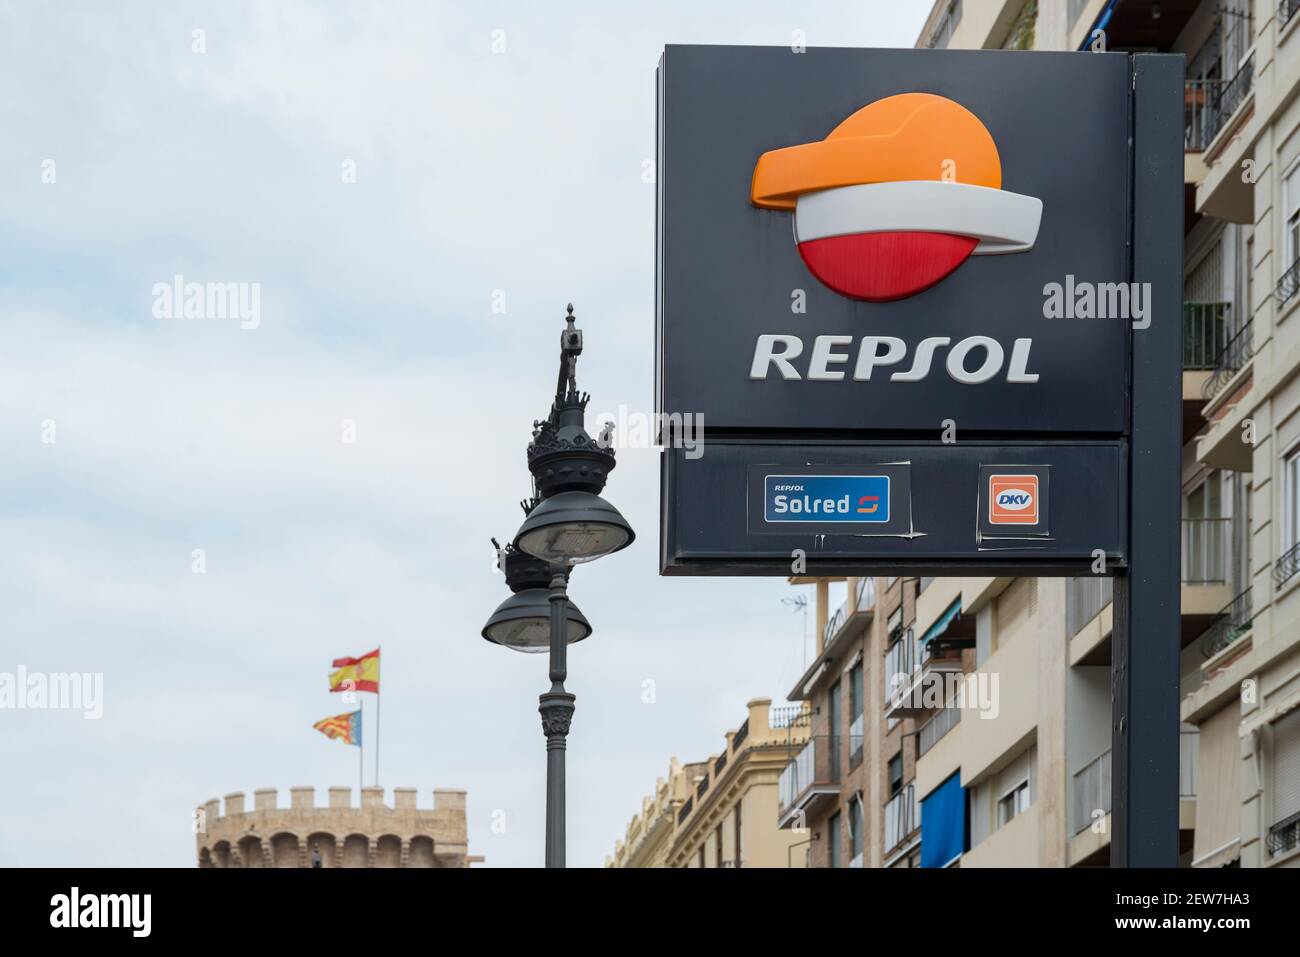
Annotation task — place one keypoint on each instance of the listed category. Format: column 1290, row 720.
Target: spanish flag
column 356, row 674
column 344, row 727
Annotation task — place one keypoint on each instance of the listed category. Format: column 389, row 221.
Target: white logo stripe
column 1003, row 222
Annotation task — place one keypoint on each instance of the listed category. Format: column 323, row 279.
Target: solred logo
column 1013, row 499
column 897, row 197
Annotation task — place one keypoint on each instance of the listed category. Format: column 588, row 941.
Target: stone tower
column 338, row 835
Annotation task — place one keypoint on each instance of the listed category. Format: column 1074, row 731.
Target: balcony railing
column 740, row 736
column 685, row 812
column 1232, row 624
column 1232, row 358
column 866, row 594
column 1205, row 550
column 934, row 729
column 900, row 817
column 1091, row 792
column 1084, row 600
column 1205, row 332
column 1225, row 98
column 817, row 763
column 1284, row 568
column 833, row 625
column 1285, row 11
column 1284, row 836
column 901, row 661
column 702, row 787
column 719, row 764
column 1288, row 285
column 1196, row 110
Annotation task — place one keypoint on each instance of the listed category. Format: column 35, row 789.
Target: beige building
column 337, row 835
column 722, row 812
column 1240, row 638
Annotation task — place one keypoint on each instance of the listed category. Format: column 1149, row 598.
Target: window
column 896, row 774
column 1291, row 197
column 717, row 846
column 1284, row 793
column 1291, row 490
column 701, row 855
column 855, row 691
column 1015, row 801
column 833, row 840
column 943, row 30
column 739, row 845
column 833, row 716
column 856, row 825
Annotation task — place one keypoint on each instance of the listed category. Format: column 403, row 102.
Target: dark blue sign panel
column 899, row 290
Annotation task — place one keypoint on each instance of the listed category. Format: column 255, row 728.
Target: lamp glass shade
column 573, row 527
column 523, row 622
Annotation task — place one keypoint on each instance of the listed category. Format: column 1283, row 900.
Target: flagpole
column 361, row 751
column 378, row 689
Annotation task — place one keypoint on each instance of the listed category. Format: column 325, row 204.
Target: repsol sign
column 973, row 360
column 890, row 218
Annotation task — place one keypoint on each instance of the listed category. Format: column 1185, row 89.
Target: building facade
column 722, row 812
column 1240, row 637
column 337, row 835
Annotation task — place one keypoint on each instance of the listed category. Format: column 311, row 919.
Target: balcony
column 900, row 818
column 1232, row 624
column 834, row 624
column 1205, row 550
column 1090, row 793
column 810, row 782
column 932, row 731
column 1287, row 286
column 1222, row 99
column 1084, row 600
column 866, row 595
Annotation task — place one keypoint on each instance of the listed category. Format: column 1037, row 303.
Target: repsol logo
column 970, row 361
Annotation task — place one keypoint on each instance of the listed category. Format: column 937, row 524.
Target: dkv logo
column 1013, row 499
column 896, row 197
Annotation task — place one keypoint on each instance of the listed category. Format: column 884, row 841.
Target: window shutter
column 1286, row 766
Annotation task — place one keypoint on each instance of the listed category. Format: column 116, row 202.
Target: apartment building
column 722, row 812
column 1240, row 638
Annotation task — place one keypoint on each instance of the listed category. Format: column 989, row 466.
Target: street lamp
column 523, row 621
column 566, row 523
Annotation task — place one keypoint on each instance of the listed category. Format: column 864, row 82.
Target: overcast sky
column 512, row 177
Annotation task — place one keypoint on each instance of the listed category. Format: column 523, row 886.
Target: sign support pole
column 1145, row 641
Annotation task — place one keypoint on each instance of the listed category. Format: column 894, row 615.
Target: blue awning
column 943, row 823
column 940, row 626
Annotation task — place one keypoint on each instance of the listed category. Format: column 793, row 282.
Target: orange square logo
column 1013, row 499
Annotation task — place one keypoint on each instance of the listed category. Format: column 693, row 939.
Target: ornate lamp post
column 566, row 523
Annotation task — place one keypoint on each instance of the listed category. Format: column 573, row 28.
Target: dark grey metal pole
column 1145, row 645
column 556, row 708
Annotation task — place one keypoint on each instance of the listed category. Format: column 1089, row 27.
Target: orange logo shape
column 1013, row 499
column 896, row 197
